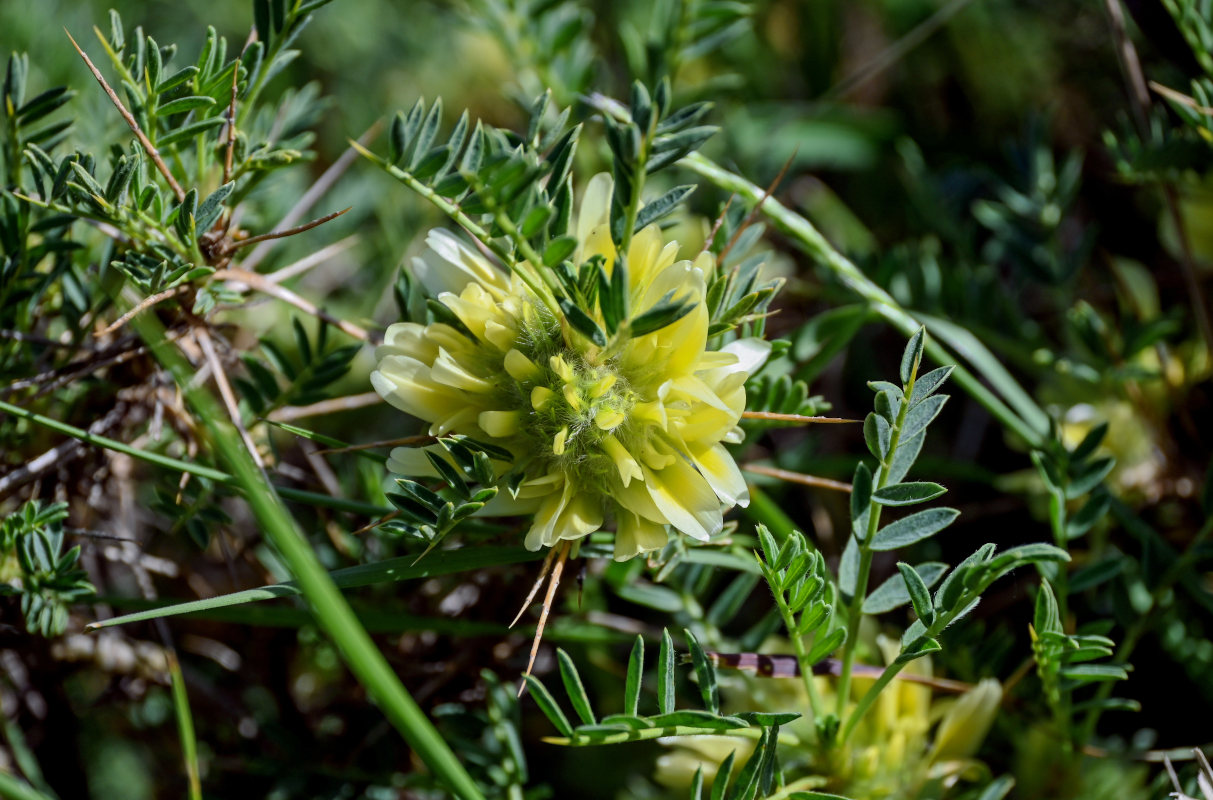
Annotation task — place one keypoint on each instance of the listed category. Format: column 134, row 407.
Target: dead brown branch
column 143, row 305
column 330, row 406
column 799, row 419
column 130, row 121
column 797, row 477
column 262, row 284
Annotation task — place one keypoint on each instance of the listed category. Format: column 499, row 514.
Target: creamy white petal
column 751, row 353
column 686, row 499
column 635, row 535
column 405, row 383
column 720, row 471
column 411, row 461
column 449, row 265
column 595, row 207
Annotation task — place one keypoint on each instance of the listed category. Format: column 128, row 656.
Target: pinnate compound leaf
column 697, row 719
column 662, row 206
column 928, row 384
column 920, row 596
column 722, row 777
column 922, row 414
column 877, row 434
column 826, row 645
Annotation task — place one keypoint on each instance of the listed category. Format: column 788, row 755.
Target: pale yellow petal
column 405, row 383
column 966, row 724
column 719, row 469
column 500, row 424
column 411, row 461
column 595, row 205
column 686, row 499
column 448, row 265
column 628, row 468
column 636, row 535
column 448, row 371
column 520, row 367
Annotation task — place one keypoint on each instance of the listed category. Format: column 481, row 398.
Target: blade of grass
column 185, row 728
column 331, row 610
column 444, row 562
column 12, row 788
column 817, row 247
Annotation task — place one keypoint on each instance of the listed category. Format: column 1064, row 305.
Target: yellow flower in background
column 632, row 430
column 913, row 736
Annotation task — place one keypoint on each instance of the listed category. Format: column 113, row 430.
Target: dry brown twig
column 203, row 337
column 262, row 284
column 797, row 477
column 231, row 111
column 757, row 209
column 561, row 553
column 800, row 419
column 143, row 305
column 231, row 245
column 152, row 152
column 323, row 407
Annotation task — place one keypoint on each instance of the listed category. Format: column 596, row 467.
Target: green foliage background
column 973, row 178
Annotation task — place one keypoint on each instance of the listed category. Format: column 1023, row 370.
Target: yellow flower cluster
column 910, row 738
column 633, row 430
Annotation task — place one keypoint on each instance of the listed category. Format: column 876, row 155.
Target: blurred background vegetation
column 981, row 160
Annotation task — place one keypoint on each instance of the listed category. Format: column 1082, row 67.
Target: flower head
column 632, row 429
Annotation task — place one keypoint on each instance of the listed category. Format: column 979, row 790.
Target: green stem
column 802, row 654
column 646, row 734
column 1061, row 581
column 817, row 247
column 332, row 612
column 865, row 702
column 546, row 290
column 855, row 607
column 633, row 208
column 937, row 626
column 185, row 728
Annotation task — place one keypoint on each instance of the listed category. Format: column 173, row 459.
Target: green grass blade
column 332, row 612
column 403, row 568
column 812, row 242
column 987, row 365
column 185, row 728
column 706, row 673
column 12, row 788
column 547, row 704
